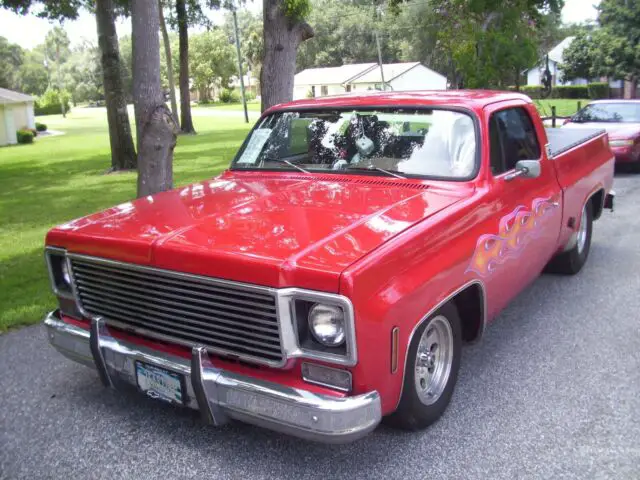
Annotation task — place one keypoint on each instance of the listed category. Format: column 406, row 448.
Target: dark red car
column 621, row 119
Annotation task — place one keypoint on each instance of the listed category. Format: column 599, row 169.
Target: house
column 534, row 75
column 16, row 112
column 320, row 82
column 556, row 57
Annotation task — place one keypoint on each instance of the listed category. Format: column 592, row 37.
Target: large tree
column 155, row 126
column 284, row 29
column 12, row 57
column 490, row 41
column 123, row 154
column 613, row 50
column 169, row 61
column 344, row 33
column 186, row 123
column 57, row 50
column 211, row 61
column 32, row 75
column 619, row 52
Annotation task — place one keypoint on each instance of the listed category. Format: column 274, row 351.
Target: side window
column 495, row 147
column 512, row 138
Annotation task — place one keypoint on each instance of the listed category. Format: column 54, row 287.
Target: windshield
column 609, row 112
column 433, row 143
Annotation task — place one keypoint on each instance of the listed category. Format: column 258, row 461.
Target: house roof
column 9, row 96
column 332, row 75
column 557, row 52
column 391, row 71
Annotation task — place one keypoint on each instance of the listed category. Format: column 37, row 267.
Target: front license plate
column 159, row 383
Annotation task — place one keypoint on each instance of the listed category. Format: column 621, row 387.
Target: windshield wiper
column 378, row 169
column 291, row 164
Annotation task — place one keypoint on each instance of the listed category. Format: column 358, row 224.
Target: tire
column 572, row 261
column 417, row 409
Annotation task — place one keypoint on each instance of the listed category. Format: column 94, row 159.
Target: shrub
column 41, row 127
column 227, row 95
column 570, row 91
column 533, row 91
column 25, row 136
column 598, row 90
column 49, row 103
column 560, row 91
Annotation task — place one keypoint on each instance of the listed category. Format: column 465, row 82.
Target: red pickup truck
column 332, row 274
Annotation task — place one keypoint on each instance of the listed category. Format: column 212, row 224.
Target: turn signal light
column 335, row 378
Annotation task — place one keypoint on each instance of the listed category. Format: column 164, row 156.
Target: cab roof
column 471, row 99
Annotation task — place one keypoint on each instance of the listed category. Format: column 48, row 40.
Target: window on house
column 347, row 88
column 512, row 138
column 313, row 91
column 324, row 90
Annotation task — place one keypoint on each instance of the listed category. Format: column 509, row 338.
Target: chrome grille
column 228, row 318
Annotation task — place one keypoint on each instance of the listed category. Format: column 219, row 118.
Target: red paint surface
column 395, row 247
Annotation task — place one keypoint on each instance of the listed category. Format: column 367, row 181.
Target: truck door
column 527, row 212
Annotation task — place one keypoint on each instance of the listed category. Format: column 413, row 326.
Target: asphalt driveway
column 552, row 391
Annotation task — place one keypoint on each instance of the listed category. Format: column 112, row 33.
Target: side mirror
column 525, row 169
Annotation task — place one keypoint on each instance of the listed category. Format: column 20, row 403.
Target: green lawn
column 252, row 106
column 61, row 178
column 564, row 108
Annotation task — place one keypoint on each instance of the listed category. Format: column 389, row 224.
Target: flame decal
column 515, row 231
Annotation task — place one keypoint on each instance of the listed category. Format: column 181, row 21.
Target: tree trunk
column 167, row 54
column 155, row 125
column 123, row 153
column 281, row 39
column 183, row 37
column 630, row 88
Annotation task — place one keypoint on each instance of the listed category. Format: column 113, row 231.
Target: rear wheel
column 431, row 371
column 572, row 261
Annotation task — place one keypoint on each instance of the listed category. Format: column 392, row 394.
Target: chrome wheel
column 582, row 231
column 433, row 360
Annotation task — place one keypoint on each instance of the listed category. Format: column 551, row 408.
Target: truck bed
column 562, row 139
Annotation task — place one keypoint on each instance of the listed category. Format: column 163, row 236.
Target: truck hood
column 274, row 229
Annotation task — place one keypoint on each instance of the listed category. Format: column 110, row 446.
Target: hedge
column 592, row 90
column 41, row 127
column 50, row 109
column 49, row 103
column 599, row 90
column 25, row 136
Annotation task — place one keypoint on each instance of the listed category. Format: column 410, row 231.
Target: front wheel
column 431, row 371
column 572, row 261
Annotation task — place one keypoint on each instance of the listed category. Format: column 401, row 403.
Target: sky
column 28, row 31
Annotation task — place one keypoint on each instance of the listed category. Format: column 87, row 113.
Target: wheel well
column 597, row 203
column 470, row 303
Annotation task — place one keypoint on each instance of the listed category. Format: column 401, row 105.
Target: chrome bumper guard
column 219, row 394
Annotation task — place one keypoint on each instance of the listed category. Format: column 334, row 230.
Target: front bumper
column 219, row 394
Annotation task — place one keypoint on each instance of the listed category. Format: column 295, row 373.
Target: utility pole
column 376, row 14
column 384, row 85
column 244, row 99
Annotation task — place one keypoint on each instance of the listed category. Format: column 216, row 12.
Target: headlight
column 621, row 143
column 326, row 323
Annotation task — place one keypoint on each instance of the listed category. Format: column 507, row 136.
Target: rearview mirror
column 526, row 169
